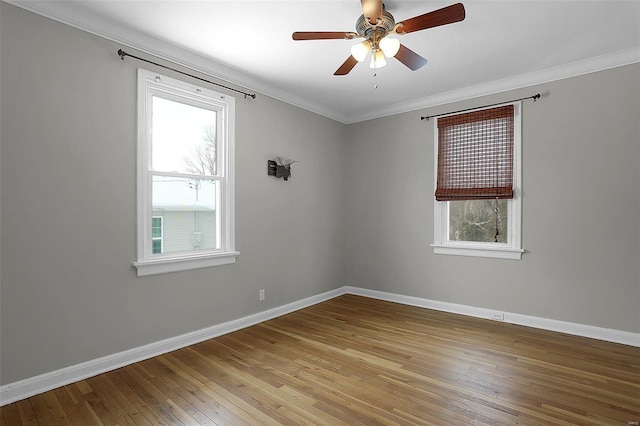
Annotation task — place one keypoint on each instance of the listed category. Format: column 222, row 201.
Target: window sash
column 217, row 108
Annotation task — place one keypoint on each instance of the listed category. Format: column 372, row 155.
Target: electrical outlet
column 261, row 295
column 497, row 316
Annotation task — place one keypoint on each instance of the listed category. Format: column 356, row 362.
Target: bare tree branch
column 203, row 158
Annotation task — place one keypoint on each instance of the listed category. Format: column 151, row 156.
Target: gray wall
column 581, row 208
column 69, row 292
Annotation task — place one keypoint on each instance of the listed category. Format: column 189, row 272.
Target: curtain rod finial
column 122, row 54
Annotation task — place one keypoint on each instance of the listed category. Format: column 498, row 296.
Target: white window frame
column 512, row 248
column 153, row 84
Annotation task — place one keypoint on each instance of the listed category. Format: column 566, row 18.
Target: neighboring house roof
column 183, row 208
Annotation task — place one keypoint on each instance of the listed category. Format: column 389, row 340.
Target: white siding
column 187, row 230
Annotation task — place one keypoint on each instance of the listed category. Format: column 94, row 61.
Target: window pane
column 475, row 220
column 156, row 246
column 188, row 210
column 156, row 227
column 183, row 138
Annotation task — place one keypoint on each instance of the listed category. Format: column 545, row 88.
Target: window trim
column 147, row 263
column 512, row 249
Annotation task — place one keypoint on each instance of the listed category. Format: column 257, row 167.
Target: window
column 477, row 208
column 185, row 176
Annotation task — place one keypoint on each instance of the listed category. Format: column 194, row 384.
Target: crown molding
column 66, row 13
column 574, row 69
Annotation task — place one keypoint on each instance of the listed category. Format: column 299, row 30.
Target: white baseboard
column 34, row 385
column 607, row 334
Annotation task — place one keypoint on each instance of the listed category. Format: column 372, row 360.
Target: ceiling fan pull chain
column 375, row 85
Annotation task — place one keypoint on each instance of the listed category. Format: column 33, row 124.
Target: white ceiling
column 501, row 45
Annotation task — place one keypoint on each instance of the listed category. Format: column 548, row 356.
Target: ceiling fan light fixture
column 377, row 60
column 389, row 46
column 359, row 51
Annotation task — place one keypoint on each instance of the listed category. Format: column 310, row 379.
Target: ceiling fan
column 375, row 25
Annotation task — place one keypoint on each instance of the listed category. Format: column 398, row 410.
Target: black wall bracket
column 274, row 169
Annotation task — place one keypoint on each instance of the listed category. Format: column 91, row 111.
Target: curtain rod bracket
column 534, row 97
column 122, row 55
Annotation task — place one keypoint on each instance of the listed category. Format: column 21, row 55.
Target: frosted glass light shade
column 390, row 46
column 359, row 51
column 377, row 60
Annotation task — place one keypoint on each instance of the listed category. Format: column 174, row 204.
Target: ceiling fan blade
column 372, row 10
column 347, row 66
column 444, row 16
column 323, row 35
column 410, row 58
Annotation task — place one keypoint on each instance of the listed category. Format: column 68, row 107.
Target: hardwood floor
column 353, row 360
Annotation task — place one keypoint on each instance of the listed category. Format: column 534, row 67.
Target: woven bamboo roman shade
column 475, row 155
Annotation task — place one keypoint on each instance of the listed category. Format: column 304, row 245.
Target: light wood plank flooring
column 359, row 361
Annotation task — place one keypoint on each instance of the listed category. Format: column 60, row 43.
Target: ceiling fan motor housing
column 384, row 25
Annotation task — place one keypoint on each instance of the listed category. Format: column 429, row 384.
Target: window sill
column 479, row 251
column 166, row 265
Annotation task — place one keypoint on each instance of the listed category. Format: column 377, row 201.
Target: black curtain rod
column 534, row 97
column 122, row 54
